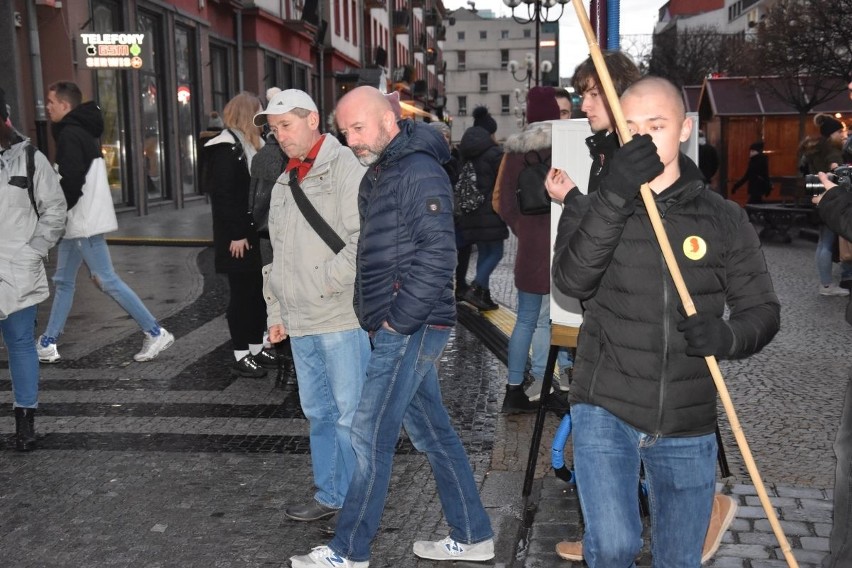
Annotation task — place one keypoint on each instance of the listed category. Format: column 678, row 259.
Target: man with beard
column 404, row 299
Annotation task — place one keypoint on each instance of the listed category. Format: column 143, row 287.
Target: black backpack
column 531, row 193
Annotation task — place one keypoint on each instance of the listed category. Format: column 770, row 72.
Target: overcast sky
column 637, row 18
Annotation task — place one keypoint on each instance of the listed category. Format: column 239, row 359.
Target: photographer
column 835, row 210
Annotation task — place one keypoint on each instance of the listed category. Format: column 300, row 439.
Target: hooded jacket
column 483, row 224
column 835, row 210
column 310, row 288
column 532, row 261
column 407, row 251
column 26, row 237
column 83, row 171
column 631, row 360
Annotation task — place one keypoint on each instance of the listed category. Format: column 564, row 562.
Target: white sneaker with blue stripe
column 449, row 549
column 323, row 556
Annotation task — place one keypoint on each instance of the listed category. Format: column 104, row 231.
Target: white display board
column 571, row 154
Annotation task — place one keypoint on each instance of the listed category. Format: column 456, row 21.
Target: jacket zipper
column 666, row 332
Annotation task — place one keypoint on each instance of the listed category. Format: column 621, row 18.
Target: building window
column 270, row 63
column 462, row 60
column 504, row 104
column 354, row 23
column 220, row 76
column 504, row 58
column 483, row 82
column 346, row 20
column 527, row 33
column 286, row 75
column 463, row 106
column 337, row 19
column 151, row 94
column 483, row 34
column 504, row 34
column 461, row 36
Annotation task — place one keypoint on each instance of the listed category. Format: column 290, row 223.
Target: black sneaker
column 267, row 359
column 247, row 367
column 480, row 298
column 516, row 401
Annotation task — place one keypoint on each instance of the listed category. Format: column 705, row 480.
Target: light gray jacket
column 310, row 289
column 25, row 238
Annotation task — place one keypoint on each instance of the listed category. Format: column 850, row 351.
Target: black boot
column 516, row 401
column 480, row 298
column 25, row 436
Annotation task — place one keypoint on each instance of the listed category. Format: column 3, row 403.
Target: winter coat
column 820, row 155
column 83, row 172
column 225, row 178
column 266, row 167
column 532, row 261
column 835, row 210
column 26, row 237
column 631, row 360
column 407, row 252
column 483, row 224
column 757, row 176
column 310, row 288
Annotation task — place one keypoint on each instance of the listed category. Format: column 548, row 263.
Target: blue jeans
column 824, row 251
column 680, row 474
column 488, row 255
column 532, row 330
column 331, row 369
column 94, row 252
column 840, row 542
column 402, row 389
column 18, row 333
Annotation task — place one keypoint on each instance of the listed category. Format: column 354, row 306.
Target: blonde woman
column 225, row 165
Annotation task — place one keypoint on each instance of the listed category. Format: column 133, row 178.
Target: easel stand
column 566, row 336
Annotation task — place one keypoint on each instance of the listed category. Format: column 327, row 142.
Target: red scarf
column 306, row 164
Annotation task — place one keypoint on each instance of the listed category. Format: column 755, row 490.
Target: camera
column 841, row 175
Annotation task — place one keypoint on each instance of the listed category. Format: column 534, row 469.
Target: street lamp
column 538, row 12
column 530, row 69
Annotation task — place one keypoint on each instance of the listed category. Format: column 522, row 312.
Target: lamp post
column 530, row 69
column 538, row 12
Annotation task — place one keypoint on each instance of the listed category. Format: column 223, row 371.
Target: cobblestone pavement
column 175, row 463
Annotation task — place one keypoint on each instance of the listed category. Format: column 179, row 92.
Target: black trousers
column 246, row 309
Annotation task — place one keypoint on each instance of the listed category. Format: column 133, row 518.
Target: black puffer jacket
column 602, row 145
column 835, row 210
column 631, row 360
column 76, row 146
column 483, row 224
column 407, row 250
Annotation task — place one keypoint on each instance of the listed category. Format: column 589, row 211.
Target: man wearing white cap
column 311, row 285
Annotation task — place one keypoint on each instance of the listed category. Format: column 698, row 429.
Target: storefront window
column 150, row 82
column 220, row 77
column 186, row 102
column 111, row 96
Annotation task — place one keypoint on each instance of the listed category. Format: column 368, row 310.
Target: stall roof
column 692, row 96
column 743, row 96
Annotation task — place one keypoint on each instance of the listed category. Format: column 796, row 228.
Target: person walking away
column 226, row 162
column 823, row 155
column 482, row 226
column 756, row 175
column 835, row 209
column 311, row 288
column 404, row 299
column 33, row 220
column 708, row 157
column 76, row 127
column 627, row 401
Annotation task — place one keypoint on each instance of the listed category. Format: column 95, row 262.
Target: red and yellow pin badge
column 694, row 247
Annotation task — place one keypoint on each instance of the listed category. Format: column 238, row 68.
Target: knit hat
column 757, row 146
column 215, row 121
column 827, row 124
column 542, row 105
column 4, row 110
column 485, row 120
column 271, row 92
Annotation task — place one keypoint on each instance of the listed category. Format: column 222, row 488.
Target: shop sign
column 113, row 51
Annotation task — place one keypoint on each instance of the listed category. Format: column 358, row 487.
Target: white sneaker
column 46, row 350
column 833, row 290
column 325, row 557
column 152, row 345
column 448, row 549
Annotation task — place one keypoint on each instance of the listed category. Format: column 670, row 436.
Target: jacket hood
column 87, row 116
column 535, row 136
column 415, row 137
column 475, row 141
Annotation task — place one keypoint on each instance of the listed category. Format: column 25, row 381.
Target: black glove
column 632, row 165
column 706, row 335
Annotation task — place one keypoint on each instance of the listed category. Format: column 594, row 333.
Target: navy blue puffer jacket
column 407, row 251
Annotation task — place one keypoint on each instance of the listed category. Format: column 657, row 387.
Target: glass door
column 151, row 82
column 187, row 101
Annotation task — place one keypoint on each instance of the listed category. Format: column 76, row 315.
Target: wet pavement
column 176, row 463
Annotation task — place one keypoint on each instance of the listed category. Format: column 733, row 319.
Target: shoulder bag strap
column 31, row 177
column 315, row 220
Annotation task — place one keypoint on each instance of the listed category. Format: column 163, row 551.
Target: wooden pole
column 677, row 277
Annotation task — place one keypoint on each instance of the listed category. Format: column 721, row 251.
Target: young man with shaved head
column 404, row 299
column 642, row 392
